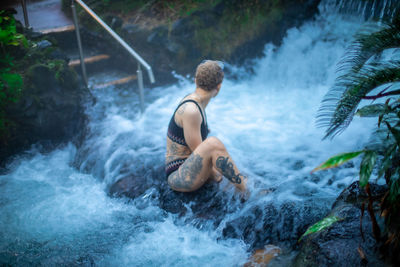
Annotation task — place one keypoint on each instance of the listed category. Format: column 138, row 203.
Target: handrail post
column 140, row 83
column 25, row 11
column 119, row 39
column 78, row 37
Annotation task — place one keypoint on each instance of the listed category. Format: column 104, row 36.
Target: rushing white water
column 53, row 213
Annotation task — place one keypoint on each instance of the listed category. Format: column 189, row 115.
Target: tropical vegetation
column 369, row 86
column 10, row 81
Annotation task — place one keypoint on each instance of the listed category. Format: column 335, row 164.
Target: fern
column 350, row 89
column 361, row 75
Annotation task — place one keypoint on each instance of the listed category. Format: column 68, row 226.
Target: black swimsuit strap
column 197, row 104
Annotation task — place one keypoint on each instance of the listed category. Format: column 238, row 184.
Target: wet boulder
column 273, row 223
column 133, row 185
column 207, row 203
column 50, row 110
column 342, row 243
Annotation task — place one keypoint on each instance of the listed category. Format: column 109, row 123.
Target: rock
column 44, row 44
column 49, row 110
column 182, row 27
column 113, row 21
column 133, row 185
column 339, row 244
column 207, row 203
column 208, row 33
column 159, row 36
column 273, row 223
column 354, row 195
column 262, row 257
column 131, row 28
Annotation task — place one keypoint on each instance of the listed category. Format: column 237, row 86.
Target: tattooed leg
column 188, row 177
column 215, row 176
column 226, row 167
column 199, row 166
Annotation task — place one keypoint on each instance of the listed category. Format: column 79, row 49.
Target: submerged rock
column 342, row 244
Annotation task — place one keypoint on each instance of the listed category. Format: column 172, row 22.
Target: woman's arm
column 191, row 123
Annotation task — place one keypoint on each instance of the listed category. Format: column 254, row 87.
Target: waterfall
column 368, row 9
column 55, row 207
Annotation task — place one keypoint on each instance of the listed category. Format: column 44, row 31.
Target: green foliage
column 373, row 110
column 362, row 72
column 366, row 167
column 8, row 31
column 337, row 160
column 321, row 225
column 366, row 75
column 10, row 82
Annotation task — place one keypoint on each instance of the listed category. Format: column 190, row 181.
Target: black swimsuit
column 175, row 133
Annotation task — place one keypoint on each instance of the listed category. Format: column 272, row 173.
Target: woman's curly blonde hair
column 209, row 75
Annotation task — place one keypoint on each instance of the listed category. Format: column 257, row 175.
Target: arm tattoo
column 227, row 170
column 187, row 173
column 182, row 109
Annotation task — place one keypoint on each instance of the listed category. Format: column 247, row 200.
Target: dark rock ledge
column 50, row 110
column 338, row 244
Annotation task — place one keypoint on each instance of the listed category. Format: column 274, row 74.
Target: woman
column 191, row 157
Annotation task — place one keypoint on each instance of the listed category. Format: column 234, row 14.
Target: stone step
column 66, row 28
column 88, row 60
column 115, row 82
column 42, row 15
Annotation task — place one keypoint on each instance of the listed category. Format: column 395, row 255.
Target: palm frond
column 368, row 44
column 349, row 90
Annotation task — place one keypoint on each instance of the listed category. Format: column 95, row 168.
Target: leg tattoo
column 228, row 171
column 187, row 173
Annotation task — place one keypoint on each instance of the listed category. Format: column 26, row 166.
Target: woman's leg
column 196, row 170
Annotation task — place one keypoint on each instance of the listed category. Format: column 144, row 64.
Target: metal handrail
column 139, row 59
column 116, row 36
column 25, row 11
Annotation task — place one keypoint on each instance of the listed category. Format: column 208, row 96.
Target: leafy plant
column 320, row 225
column 369, row 74
column 10, row 82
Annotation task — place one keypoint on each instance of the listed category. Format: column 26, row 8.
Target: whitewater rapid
column 55, row 208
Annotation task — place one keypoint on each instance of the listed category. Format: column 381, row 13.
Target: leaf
column 395, row 132
column 366, row 167
column 387, row 160
column 337, row 160
column 372, row 110
column 14, row 43
column 14, row 81
column 380, row 120
column 322, row 224
column 381, row 116
column 394, row 186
